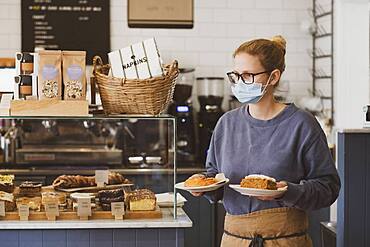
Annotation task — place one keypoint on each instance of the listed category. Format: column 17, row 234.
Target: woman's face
column 243, row 62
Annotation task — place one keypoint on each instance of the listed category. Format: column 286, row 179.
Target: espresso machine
column 210, row 91
column 182, row 109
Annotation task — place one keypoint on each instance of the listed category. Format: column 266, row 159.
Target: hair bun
column 280, row 41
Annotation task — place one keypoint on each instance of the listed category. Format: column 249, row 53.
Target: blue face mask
column 249, row 93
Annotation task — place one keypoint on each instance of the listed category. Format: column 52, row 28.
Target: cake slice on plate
column 257, row 181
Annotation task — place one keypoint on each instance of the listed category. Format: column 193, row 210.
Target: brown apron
column 267, row 228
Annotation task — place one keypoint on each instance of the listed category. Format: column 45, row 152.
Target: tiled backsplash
column 219, row 27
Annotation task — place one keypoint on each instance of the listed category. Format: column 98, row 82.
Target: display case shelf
column 72, row 144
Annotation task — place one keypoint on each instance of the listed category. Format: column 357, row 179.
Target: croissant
column 199, row 180
column 116, row 178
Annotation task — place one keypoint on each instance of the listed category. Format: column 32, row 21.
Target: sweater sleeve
column 321, row 185
column 212, row 170
column 211, row 164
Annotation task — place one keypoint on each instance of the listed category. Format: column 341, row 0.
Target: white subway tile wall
column 219, row 27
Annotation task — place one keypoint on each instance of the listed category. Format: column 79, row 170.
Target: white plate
column 77, row 195
column 212, row 187
column 257, row 192
column 167, row 199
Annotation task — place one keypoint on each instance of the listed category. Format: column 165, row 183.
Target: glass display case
column 141, row 148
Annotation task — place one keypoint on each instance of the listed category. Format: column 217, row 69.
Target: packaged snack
column 50, row 76
column 74, row 75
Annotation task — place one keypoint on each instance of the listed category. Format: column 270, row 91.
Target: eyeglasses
column 247, row 78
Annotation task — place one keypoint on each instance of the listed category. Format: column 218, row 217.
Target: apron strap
column 257, row 241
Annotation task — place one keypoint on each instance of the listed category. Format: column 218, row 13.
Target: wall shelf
column 319, row 36
column 326, row 97
column 318, row 12
column 323, row 77
column 323, row 14
column 322, row 56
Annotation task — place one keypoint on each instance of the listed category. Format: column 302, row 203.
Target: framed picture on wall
column 160, row 13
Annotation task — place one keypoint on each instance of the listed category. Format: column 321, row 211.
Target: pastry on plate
column 257, row 181
column 198, row 180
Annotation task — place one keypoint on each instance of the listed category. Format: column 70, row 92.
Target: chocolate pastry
column 106, row 206
column 7, row 187
column 106, row 197
column 29, row 188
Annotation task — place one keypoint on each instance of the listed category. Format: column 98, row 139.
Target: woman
column 274, row 139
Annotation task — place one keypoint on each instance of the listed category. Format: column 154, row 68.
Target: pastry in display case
column 6, row 183
column 30, row 189
column 140, row 200
column 58, row 198
column 34, row 203
column 77, row 181
column 139, row 203
column 8, row 200
column 106, row 197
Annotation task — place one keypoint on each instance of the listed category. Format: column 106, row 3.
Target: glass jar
column 26, row 63
column 24, row 85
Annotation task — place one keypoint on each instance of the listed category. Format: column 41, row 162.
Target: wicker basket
column 134, row 96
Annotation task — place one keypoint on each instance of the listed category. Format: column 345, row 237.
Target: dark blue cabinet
column 353, row 218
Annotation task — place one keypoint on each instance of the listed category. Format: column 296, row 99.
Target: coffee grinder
column 210, row 92
column 182, row 109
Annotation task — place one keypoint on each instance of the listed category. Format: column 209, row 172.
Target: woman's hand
column 197, row 194
column 280, row 184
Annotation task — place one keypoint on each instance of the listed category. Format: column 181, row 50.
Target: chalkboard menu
column 67, row 25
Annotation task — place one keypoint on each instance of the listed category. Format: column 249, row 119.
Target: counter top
column 85, row 171
column 362, row 130
column 182, row 221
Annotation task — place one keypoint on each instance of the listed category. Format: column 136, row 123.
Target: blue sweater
column 290, row 147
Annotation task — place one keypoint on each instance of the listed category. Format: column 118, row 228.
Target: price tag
column 2, row 208
column 101, row 177
column 84, row 208
column 118, row 210
column 52, row 210
column 23, row 211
